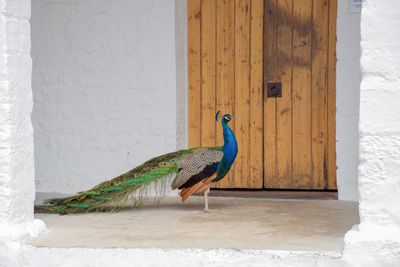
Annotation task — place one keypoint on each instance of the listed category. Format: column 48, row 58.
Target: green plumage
column 130, row 186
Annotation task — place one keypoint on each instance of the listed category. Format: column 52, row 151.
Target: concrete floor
column 238, row 223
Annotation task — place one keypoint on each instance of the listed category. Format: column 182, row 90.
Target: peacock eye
column 172, row 160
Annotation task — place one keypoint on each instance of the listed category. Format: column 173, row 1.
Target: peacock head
column 225, row 118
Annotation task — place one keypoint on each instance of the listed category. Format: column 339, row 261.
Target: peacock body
column 191, row 170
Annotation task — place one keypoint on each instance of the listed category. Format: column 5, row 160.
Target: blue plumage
column 230, row 149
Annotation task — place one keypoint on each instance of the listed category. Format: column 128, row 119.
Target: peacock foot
column 210, row 210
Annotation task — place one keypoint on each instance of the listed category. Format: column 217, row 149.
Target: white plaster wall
column 181, row 74
column 55, row 257
column 376, row 241
column 16, row 138
column 348, row 78
column 104, row 87
column 380, row 113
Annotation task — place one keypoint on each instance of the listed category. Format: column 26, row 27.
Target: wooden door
column 299, row 127
column 235, row 47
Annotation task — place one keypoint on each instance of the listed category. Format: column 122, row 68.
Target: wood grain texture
column 296, row 125
column 225, row 72
column 242, row 87
column 208, row 41
column 270, row 50
column 256, row 94
column 301, row 91
column 194, row 72
column 235, row 47
column 283, row 179
column 319, row 72
column 331, row 108
column 226, row 46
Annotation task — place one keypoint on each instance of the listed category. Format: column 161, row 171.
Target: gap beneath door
column 275, row 194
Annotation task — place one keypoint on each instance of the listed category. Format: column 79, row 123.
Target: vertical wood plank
column 242, row 84
column 225, row 72
column 256, row 94
column 331, row 142
column 319, row 92
column 283, row 179
column 208, row 72
column 194, row 94
column 270, row 50
column 301, row 94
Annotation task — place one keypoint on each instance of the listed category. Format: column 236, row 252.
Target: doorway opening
column 84, row 117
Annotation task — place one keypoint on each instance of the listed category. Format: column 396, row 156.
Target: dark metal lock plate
column 274, row 89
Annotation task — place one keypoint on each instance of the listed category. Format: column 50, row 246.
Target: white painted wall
column 17, row 189
column 348, row 78
column 181, row 74
column 56, row 257
column 376, row 241
column 104, row 87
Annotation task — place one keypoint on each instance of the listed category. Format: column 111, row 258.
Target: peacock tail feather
column 131, row 187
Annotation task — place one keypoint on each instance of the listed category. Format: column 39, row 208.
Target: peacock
column 191, row 170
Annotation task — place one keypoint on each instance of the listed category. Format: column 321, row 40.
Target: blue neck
column 230, row 146
column 230, row 150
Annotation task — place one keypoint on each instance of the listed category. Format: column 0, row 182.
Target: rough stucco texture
column 16, row 137
column 379, row 113
column 104, row 88
column 376, row 241
column 170, row 258
column 347, row 100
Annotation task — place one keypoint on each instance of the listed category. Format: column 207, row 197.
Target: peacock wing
column 196, row 166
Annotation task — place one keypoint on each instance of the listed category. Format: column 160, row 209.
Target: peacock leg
column 206, row 199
